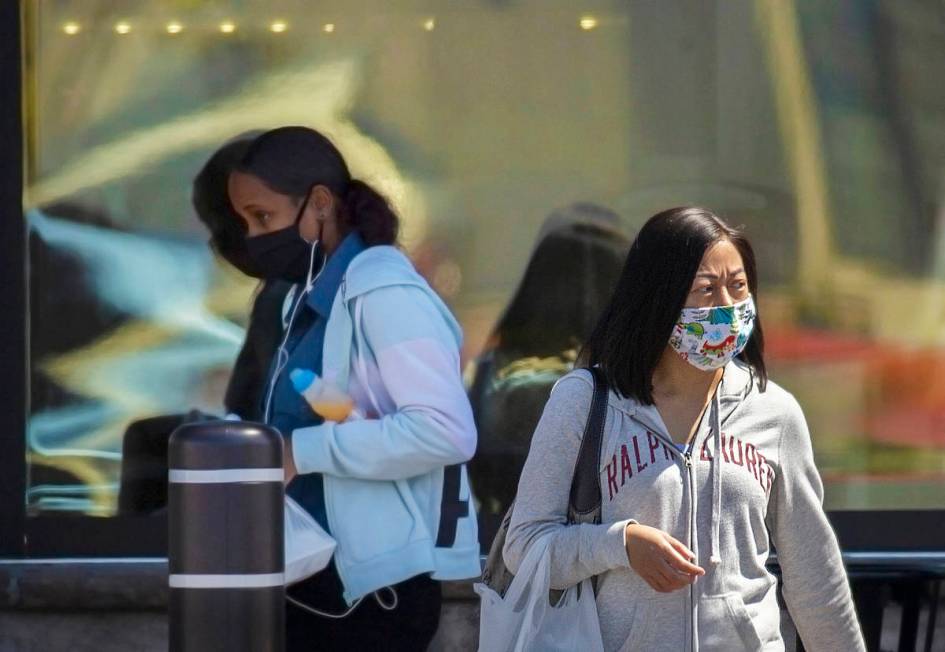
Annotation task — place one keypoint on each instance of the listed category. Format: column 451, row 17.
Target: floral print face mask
column 708, row 338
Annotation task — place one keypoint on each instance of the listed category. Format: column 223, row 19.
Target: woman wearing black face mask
column 278, row 251
column 391, row 488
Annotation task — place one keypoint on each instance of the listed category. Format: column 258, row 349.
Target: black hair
column 211, row 202
column 634, row 330
column 292, row 160
column 568, row 279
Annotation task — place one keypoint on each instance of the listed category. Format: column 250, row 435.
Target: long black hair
column 292, row 160
column 635, row 327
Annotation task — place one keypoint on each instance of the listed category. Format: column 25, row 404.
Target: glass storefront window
column 522, row 143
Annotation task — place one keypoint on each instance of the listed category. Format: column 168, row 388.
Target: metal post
column 225, row 538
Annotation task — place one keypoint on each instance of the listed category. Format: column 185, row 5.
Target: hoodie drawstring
column 716, row 424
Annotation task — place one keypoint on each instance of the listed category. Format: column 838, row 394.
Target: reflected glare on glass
column 475, row 141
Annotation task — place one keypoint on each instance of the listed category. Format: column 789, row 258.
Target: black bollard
column 225, row 538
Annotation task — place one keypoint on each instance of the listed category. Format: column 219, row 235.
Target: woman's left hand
column 288, row 462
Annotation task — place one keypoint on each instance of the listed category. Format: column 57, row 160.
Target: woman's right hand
column 661, row 560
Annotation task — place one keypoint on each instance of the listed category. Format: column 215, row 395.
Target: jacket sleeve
column 814, row 580
column 578, row 551
column 432, row 425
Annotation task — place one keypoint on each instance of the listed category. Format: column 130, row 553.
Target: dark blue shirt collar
column 326, row 287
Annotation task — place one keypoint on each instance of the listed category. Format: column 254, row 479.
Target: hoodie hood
column 375, row 268
column 384, row 266
column 738, row 382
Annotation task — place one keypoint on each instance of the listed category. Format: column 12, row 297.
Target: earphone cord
column 325, row 614
column 282, row 356
column 282, row 360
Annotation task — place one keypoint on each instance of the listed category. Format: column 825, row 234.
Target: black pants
column 411, row 626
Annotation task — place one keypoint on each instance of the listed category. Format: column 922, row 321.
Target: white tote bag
column 308, row 548
column 525, row 621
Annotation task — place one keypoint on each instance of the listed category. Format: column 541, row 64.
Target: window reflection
column 479, row 120
column 569, row 279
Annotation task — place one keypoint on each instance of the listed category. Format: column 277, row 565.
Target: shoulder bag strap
column 585, row 498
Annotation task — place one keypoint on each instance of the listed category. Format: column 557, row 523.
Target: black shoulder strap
column 585, row 497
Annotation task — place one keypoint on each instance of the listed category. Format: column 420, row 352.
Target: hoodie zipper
column 690, row 475
column 693, row 544
column 693, row 541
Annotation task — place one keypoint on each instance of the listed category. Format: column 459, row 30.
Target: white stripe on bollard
column 218, row 476
column 253, row 581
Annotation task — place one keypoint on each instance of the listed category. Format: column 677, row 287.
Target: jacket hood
column 377, row 267
column 738, row 382
column 385, row 266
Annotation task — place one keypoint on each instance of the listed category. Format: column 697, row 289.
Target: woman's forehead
column 248, row 186
column 722, row 256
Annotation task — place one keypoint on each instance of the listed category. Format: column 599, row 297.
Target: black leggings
column 411, row 626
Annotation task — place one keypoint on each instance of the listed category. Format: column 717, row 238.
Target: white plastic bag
column 525, row 621
column 308, row 548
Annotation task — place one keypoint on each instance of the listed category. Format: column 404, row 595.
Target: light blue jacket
column 394, row 505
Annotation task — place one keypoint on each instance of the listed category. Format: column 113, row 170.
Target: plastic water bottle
column 325, row 399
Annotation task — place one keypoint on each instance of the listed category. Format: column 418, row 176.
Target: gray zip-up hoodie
column 748, row 482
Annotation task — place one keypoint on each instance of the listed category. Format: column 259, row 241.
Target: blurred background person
column 569, row 277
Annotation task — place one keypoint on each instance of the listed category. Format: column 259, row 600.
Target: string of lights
column 277, row 26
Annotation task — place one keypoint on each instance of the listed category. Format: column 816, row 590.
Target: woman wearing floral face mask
column 705, row 464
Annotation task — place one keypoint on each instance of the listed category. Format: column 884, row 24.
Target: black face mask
column 282, row 254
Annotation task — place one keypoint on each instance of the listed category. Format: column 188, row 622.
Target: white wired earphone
column 355, row 605
column 282, row 359
column 282, row 356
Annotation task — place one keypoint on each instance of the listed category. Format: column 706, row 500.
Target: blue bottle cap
column 302, row 379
